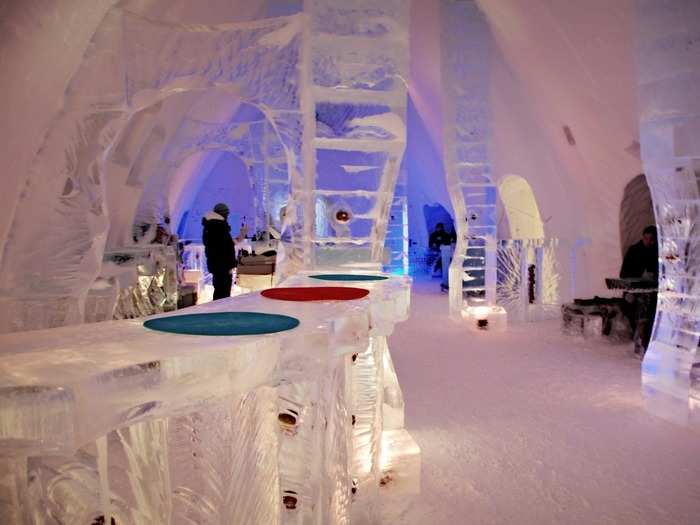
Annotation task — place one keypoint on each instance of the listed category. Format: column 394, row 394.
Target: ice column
column 669, row 76
column 466, row 42
column 359, row 60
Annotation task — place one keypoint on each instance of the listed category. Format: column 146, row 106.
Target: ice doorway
column 636, row 211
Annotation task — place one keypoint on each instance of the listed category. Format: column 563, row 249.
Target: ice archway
column 521, row 208
column 127, row 81
column 175, row 171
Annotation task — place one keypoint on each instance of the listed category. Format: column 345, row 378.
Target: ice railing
column 112, row 421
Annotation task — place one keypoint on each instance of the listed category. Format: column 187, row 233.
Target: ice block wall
column 669, row 76
column 465, row 67
column 359, row 57
column 103, row 142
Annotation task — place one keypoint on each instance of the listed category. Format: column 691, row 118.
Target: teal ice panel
column 223, row 323
column 348, row 277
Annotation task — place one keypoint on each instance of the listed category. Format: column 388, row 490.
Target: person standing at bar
column 220, row 249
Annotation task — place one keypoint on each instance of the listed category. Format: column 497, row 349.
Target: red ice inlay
column 315, row 293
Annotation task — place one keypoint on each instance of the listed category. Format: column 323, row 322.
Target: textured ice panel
column 224, row 462
column 367, row 392
column 466, row 129
column 138, row 68
column 535, row 277
column 377, row 404
column 668, row 76
column 145, row 281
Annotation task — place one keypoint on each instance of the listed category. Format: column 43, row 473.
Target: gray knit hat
column 221, row 209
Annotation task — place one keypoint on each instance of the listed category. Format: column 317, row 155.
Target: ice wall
column 568, row 64
column 227, row 182
column 669, row 75
column 135, row 67
column 553, row 63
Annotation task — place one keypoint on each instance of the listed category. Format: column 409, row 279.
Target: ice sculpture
column 669, row 76
column 466, row 119
column 535, row 277
column 396, row 243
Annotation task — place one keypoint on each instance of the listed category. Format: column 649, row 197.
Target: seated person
column 437, row 239
column 642, row 262
column 642, row 259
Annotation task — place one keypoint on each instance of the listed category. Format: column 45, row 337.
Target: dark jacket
column 218, row 244
column 640, row 259
column 438, row 239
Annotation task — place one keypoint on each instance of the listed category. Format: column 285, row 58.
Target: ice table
column 116, row 420
column 385, row 459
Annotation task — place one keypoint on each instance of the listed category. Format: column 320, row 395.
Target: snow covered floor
column 533, row 427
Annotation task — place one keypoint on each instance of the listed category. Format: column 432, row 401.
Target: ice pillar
column 669, row 76
column 466, row 42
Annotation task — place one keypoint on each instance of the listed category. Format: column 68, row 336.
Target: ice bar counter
column 299, row 419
